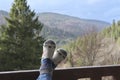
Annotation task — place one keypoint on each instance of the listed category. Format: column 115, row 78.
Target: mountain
column 67, row 25
column 70, row 24
column 61, row 27
column 3, row 14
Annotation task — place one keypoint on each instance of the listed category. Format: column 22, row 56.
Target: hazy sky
column 105, row 10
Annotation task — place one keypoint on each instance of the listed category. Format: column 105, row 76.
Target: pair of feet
column 51, row 57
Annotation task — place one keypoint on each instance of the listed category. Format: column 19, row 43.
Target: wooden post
column 116, row 77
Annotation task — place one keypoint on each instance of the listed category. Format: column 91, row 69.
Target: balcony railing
column 94, row 73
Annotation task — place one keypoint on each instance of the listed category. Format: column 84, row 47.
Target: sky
column 105, row 10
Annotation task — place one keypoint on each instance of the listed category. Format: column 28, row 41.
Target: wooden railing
column 94, row 73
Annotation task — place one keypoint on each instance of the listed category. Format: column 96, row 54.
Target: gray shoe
column 59, row 55
column 48, row 49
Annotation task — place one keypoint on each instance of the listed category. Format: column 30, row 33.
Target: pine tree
column 118, row 23
column 21, row 40
column 113, row 23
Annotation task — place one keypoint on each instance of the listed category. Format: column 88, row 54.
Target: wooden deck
column 94, row 73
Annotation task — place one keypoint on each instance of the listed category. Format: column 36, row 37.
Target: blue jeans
column 46, row 64
column 45, row 76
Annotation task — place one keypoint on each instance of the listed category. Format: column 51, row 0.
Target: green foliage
column 113, row 31
column 83, row 51
column 20, row 39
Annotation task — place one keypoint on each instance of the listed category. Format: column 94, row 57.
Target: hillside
column 63, row 27
column 70, row 24
column 2, row 15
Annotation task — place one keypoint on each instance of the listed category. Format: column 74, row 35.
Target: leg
column 46, row 70
column 50, row 61
column 50, row 65
column 46, row 63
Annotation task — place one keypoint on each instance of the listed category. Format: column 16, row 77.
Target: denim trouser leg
column 45, row 76
column 46, row 64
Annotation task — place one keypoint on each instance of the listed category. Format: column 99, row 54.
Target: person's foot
column 48, row 49
column 46, row 62
column 58, row 56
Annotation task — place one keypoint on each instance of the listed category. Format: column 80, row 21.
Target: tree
column 113, row 31
column 113, row 23
column 20, row 43
column 118, row 23
column 87, row 50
